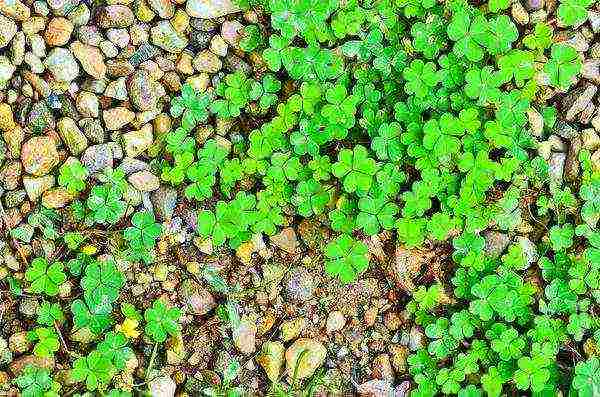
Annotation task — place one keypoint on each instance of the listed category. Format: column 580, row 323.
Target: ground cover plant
column 407, row 118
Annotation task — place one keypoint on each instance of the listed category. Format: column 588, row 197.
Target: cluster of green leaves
column 416, row 123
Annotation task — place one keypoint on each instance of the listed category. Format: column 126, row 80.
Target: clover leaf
column 35, row 381
column 161, row 321
column 356, row 169
column 562, row 67
column 347, row 258
column 73, row 175
column 587, row 377
column 45, row 278
column 573, row 12
column 95, row 370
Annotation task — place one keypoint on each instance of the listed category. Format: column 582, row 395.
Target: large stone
column 91, row 59
column 8, row 28
column 286, row 240
column 208, row 9
column 164, row 35
column 7, row 70
column 244, row 337
column 136, row 142
column 117, row 118
column 35, row 186
column 271, row 359
column 72, row 135
column 304, row 357
column 197, row 300
column 97, row 157
column 7, row 121
column 15, row 9
column 144, row 181
column 39, row 155
column 87, row 104
column 164, row 201
column 115, row 16
column 58, row 32
column 57, row 197
column 17, row 366
column 164, row 8
column 162, row 386
column 142, row 90
column 62, row 64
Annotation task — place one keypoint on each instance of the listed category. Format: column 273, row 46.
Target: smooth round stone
column 89, row 35
column 139, row 34
column 57, row 197
column 144, row 181
column 80, row 15
column 218, row 45
column 92, row 129
column 35, row 186
column 62, row 7
column 164, row 8
column 207, row 62
column 109, row 49
column 87, row 104
column 71, row 135
column 119, row 37
column 166, row 37
column 231, row 31
column 91, row 58
column 38, row 45
column 142, row 90
column 40, row 118
column 7, row 69
column 58, row 32
column 39, row 155
column 8, row 28
column 17, row 49
column 210, row 9
column 34, row 63
column 199, row 40
column 115, row 16
column 61, row 63
column 117, row 118
column 97, row 157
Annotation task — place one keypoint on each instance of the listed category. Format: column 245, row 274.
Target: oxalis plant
column 410, row 117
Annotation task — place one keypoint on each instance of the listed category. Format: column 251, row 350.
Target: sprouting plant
column 356, row 169
column 46, row 341
column 237, row 90
column 115, row 348
column 106, row 204
column 191, row 107
column 44, row 277
column 35, row 381
column 573, row 12
column 73, row 175
column 587, row 377
column 347, row 258
column 564, row 64
column 101, row 283
column 251, row 38
column 161, row 321
column 95, row 369
column 142, row 235
column 50, row 314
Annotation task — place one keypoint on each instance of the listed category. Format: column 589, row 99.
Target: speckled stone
column 39, row 155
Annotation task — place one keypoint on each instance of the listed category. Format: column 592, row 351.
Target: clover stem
column 152, row 358
column 61, row 338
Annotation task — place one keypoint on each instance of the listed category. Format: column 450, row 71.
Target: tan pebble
column 184, row 63
column 58, row 32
